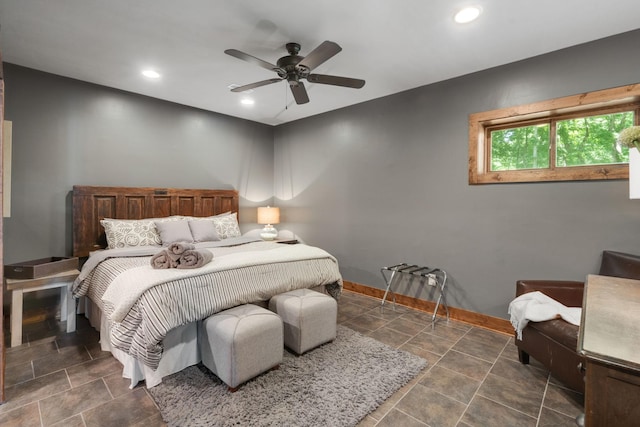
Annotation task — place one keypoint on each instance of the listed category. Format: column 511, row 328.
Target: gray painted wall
column 374, row 184
column 386, row 182
column 67, row 132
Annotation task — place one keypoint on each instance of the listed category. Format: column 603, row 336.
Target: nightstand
column 63, row 280
column 609, row 339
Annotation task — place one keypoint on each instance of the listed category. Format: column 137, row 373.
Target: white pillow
column 227, row 226
column 123, row 233
column 174, row 231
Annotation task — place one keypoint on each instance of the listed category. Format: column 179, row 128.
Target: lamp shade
column 268, row 215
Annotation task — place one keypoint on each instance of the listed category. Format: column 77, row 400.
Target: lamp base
column 269, row 232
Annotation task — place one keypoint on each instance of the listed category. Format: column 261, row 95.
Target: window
column 564, row 139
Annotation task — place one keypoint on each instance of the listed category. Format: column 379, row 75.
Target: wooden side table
column 63, row 280
column 610, row 341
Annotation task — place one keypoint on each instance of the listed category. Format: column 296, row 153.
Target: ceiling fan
column 293, row 68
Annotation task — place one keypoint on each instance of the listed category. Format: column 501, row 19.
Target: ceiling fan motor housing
column 287, row 65
column 294, row 68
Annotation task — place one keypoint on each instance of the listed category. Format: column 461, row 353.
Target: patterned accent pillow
column 124, row 233
column 227, row 226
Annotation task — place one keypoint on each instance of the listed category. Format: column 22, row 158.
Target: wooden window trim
column 479, row 173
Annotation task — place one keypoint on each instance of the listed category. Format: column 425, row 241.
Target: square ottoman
column 240, row 343
column 309, row 318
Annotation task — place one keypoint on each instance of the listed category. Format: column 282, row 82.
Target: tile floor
column 473, row 377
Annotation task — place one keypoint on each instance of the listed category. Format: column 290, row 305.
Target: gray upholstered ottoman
column 241, row 343
column 309, row 318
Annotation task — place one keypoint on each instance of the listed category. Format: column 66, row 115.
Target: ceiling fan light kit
column 293, row 68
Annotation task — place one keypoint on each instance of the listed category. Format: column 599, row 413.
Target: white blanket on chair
column 537, row 307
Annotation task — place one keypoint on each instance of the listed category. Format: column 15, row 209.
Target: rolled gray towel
column 161, row 260
column 194, row 258
column 178, row 248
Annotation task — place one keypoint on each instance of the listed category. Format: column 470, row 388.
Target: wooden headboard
column 91, row 204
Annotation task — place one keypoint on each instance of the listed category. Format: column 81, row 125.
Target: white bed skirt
column 180, row 350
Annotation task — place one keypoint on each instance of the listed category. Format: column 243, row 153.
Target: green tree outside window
column 582, row 141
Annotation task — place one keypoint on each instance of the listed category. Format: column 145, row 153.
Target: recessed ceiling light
column 247, row 101
column 468, row 14
column 151, row 74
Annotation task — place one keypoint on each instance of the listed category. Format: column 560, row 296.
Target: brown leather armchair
column 554, row 343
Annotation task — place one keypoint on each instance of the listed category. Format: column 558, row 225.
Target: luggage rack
column 435, row 277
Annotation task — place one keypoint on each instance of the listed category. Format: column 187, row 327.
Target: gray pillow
column 203, row 230
column 174, row 231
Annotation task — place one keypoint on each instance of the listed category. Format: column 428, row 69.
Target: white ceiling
column 394, row 45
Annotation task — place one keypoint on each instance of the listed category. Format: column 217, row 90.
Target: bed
column 148, row 317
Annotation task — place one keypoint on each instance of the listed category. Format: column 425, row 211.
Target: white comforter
column 128, row 287
column 143, row 304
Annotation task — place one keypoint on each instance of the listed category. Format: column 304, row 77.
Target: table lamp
column 268, row 216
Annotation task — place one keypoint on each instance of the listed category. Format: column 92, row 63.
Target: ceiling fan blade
column 299, row 93
column 335, row 80
column 246, row 57
column 255, row 85
column 322, row 53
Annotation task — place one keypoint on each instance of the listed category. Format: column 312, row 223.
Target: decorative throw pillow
column 221, row 215
column 123, row 233
column 169, row 218
column 174, row 231
column 227, row 226
column 190, row 218
column 203, row 230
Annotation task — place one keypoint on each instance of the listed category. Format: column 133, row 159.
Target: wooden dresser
column 610, row 340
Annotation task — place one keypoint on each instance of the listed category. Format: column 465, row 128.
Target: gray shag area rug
column 336, row 384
